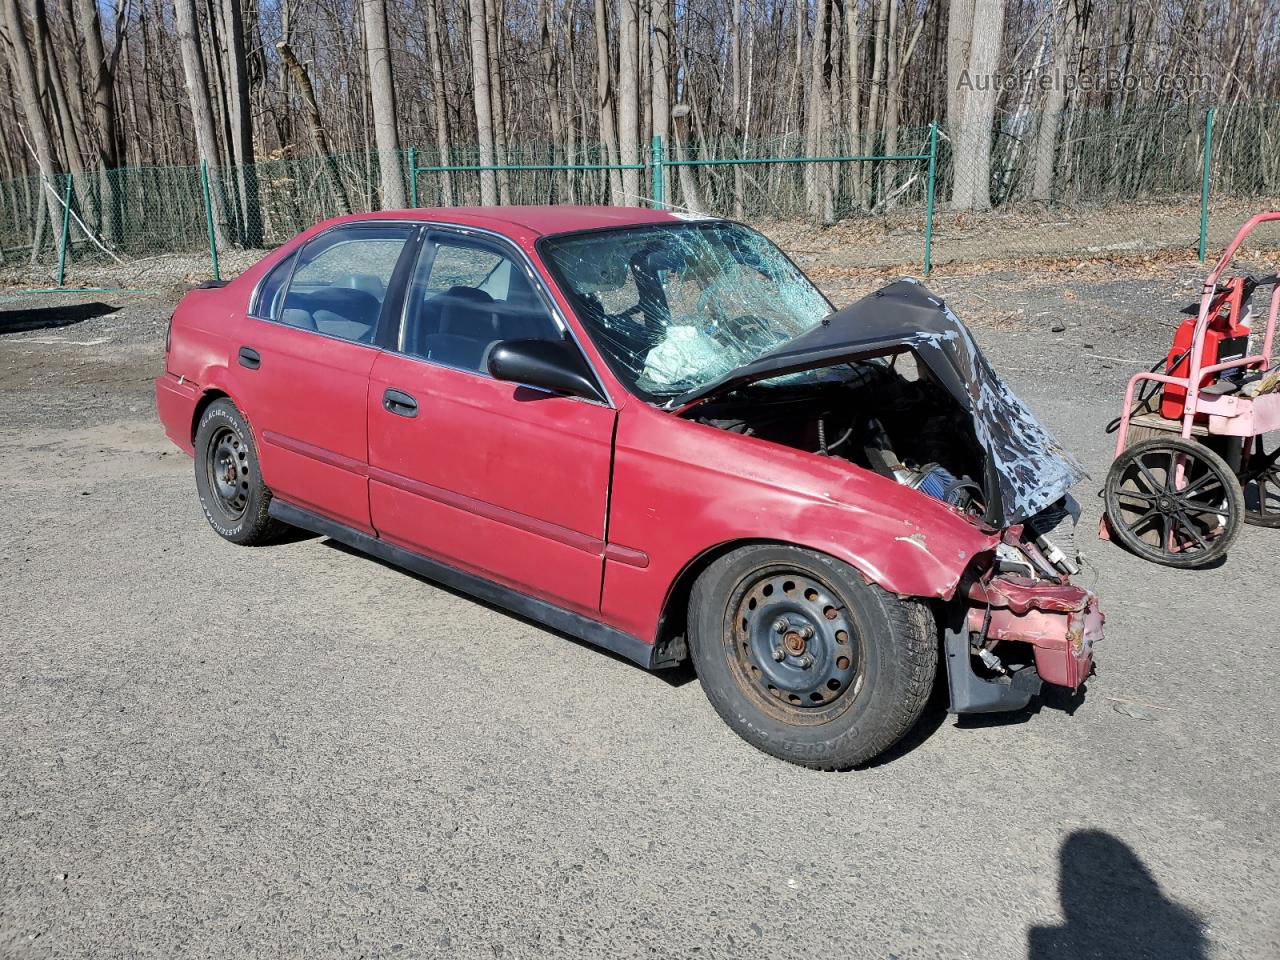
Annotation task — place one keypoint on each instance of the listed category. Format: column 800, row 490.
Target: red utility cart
column 1196, row 451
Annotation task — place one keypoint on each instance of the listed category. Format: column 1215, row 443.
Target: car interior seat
column 468, row 323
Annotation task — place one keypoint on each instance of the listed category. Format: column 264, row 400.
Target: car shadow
column 1114, row 909
column 48, row 318
column 674, row 677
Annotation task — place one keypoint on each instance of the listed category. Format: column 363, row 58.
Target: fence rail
column 1151, row 175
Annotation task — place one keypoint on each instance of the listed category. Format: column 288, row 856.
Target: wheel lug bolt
column 805, row 662
column 779, row 654
column 781, row 625
column 806, row 631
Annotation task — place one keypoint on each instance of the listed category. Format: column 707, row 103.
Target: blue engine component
column 943, row 485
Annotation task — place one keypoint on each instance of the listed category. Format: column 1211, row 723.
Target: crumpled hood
column 1027, row 469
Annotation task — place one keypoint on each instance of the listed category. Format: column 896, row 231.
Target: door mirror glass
column 555, row 365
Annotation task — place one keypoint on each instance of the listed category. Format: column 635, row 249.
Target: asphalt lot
column 293, row 751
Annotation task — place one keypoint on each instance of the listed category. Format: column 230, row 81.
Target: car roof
column 542, row 220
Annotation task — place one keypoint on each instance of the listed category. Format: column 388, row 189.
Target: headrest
column 468, row 312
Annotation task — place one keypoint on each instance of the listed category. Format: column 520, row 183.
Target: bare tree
column 628, row 94
column 386, row 129
column 482, row 99
column 972, row 188
column 1055, row 99
column 201, row 107
column 959, row 38
column 24, row 70
column 241, row 124
column 605, row 100
column 440, row 96
column 102, row 74
column 315, row 124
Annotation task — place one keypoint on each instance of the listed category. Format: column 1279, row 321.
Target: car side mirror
column 555, row 365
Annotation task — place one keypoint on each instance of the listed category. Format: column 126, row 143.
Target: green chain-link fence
column 1135, row 183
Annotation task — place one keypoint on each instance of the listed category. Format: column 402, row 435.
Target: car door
column 492, row 477
column 303, row 368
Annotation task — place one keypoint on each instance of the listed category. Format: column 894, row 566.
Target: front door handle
column 250, row 358
column 399, row 403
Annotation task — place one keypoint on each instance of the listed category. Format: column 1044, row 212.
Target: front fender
column 681, row 489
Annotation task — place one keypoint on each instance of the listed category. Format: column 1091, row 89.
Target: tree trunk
column 316, row 125
column 628, row 93
column 201, row 109
column 441, row 98
column 1051, row 117
column 550, row 73
column 483, row 103
column 959, row 38
column 24, row 69
column 735, row 109
column 689, row 191
column 853, row 68
column 604, row 101
column 972, row 188
column 496, row 91
column 660, row 54
column 815, row 131
column 102, row 89
column 242, row 124
column 382, row 96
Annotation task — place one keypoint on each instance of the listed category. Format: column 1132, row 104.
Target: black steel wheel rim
column 227, row 466
column 1158, row 511
column 1260, row 482
column 790, row 641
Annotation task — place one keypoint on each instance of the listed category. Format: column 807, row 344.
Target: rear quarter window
column 267, row 300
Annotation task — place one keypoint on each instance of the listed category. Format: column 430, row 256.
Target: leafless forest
column 1035, row 100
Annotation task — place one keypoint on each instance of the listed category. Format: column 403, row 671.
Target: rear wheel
column 807, row 661
column 234, row 498
column 1260, row 478
column 1173, row 502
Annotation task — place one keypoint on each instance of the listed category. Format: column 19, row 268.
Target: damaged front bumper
column 1018, row 633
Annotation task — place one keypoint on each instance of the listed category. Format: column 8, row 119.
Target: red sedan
column 654, row 433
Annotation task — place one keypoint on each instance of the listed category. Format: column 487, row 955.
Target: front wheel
column 807, row 661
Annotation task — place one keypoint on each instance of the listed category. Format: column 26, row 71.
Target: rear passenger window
column 342, row 279
column 465, row 296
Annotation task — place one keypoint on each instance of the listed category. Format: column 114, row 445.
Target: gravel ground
column 215, row 751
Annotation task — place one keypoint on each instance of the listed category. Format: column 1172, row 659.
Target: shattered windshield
column 675, row 306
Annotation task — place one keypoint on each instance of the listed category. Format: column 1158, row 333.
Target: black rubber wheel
column 1179, row 523
column 805, row 660
column 234, row 498
column 1260, row 479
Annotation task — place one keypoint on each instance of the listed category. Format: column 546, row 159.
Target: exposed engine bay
column 890, row 416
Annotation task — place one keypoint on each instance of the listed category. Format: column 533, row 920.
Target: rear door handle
column 250, row 358
column 399, row 403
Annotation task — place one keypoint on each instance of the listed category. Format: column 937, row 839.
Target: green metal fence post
column 208, row 218
column 66, row 229
column 1206, row 166
column 413, row 179
column 659, row 188
column 929, row 196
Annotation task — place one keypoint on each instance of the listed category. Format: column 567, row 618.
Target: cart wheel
column 1173, row 502
column 1260, row 478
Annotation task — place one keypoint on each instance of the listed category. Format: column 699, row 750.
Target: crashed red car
column 654, row 433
